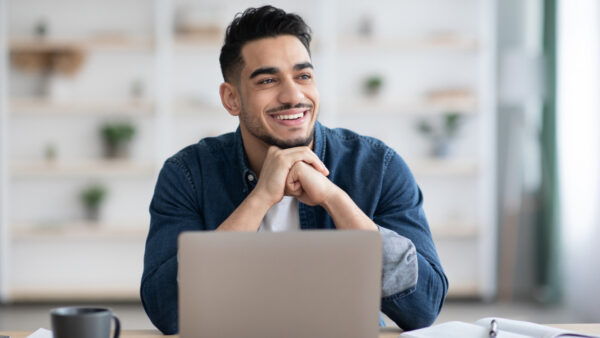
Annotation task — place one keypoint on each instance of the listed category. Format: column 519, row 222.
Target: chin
column 286, row 144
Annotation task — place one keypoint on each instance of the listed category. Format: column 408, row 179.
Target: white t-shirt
column 283, row 216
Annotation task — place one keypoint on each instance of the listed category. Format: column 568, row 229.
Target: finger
column 306, row 155
column 293, row 189
column 293, row 186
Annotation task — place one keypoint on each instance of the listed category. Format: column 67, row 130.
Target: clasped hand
column 294, row 172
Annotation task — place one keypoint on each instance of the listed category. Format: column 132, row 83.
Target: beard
column 301, row 142
column 257, row 130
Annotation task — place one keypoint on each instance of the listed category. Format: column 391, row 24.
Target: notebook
column 321, row 283
column 504, row 328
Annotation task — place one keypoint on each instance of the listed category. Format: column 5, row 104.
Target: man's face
column 278, row 95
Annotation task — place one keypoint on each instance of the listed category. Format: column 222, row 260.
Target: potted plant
column 50, row 152
column 373, row 84
column 117, row 137
column 442, row 133
column 91, row 198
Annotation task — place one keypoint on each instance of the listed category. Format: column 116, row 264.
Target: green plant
column 448, row 129
column 116, row 139
column 451, row 123
column 373, row 84
column 50, row 152
column 93, row 195
column 117, row 133
column 441, row 133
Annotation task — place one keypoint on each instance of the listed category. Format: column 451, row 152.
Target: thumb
column 293, row 187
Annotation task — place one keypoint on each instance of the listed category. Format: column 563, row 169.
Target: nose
column 290, row 93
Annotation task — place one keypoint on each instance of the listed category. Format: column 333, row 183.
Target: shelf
column 428, row 43
column 94, row 43
column 442, row 167
column 91, row 168
column 452, row 231
column 91, row 293
column 464, row 291
column 383, row 107
column 191, row 42
column 43, row 106
column 80, row 231
column 187, row 107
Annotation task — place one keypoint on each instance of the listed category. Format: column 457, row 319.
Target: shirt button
column 250, row 177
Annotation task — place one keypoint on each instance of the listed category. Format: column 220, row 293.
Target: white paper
column 530, row 329
column 457, row 330
column 41, row 333
column 507, row 328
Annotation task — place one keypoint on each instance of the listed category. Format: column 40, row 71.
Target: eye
column 305, row 77
column 266, row 81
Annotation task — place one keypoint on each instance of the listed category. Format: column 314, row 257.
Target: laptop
column 318, row 283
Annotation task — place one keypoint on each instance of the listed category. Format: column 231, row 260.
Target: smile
column 289, row 117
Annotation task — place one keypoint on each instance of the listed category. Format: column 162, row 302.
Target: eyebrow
column 275, row 70
column 264, row 70
column 300, row 66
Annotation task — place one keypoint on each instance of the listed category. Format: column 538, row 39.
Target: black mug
column 83, row 322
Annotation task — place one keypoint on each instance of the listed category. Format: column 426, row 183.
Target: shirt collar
column 248, row 176
column 319, row 141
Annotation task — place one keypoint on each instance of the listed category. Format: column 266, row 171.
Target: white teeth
column 289, row 117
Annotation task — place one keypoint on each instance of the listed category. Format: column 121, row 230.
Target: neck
column 256, row 150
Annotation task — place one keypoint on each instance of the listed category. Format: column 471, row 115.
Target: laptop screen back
column 287, row 284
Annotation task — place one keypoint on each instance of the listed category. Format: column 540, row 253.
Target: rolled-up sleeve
column 400, row 265
column 414, row 284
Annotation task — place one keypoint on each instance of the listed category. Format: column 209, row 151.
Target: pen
column 493, row 328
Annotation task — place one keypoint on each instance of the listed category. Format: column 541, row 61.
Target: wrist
column 335, row 198
column 345, row 213
column 260, row 200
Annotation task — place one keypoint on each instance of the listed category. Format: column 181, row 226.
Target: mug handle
column 117, row 326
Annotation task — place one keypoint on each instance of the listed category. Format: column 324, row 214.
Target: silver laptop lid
column 287, row 284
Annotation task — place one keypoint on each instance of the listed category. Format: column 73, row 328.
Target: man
column 282, row 170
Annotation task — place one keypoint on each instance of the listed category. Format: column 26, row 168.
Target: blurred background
column 493, row 104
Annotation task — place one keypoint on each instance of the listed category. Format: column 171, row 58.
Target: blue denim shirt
column 200, row 186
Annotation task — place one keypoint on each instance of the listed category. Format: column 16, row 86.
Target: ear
column 230, row 98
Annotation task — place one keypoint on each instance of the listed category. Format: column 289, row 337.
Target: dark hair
column 257, row 23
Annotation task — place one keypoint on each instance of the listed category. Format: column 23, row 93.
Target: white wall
column 579, row 152
column 3, row 129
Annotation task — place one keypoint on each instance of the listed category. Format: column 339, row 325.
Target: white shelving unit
column 405, row 107
column 423, row 167
column 424, row 55
column 44, row 106
column 431, row 65
column 423, row 43
column 52, row 252
column 81, row 230
column 91, row 168
column 92, row 43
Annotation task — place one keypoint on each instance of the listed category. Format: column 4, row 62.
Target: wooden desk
column 590, row 329
column 387, row 332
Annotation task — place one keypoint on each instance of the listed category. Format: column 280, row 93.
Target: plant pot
column 116, row 149
column 92, row 213
column 441, row 147
column 372, row 92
